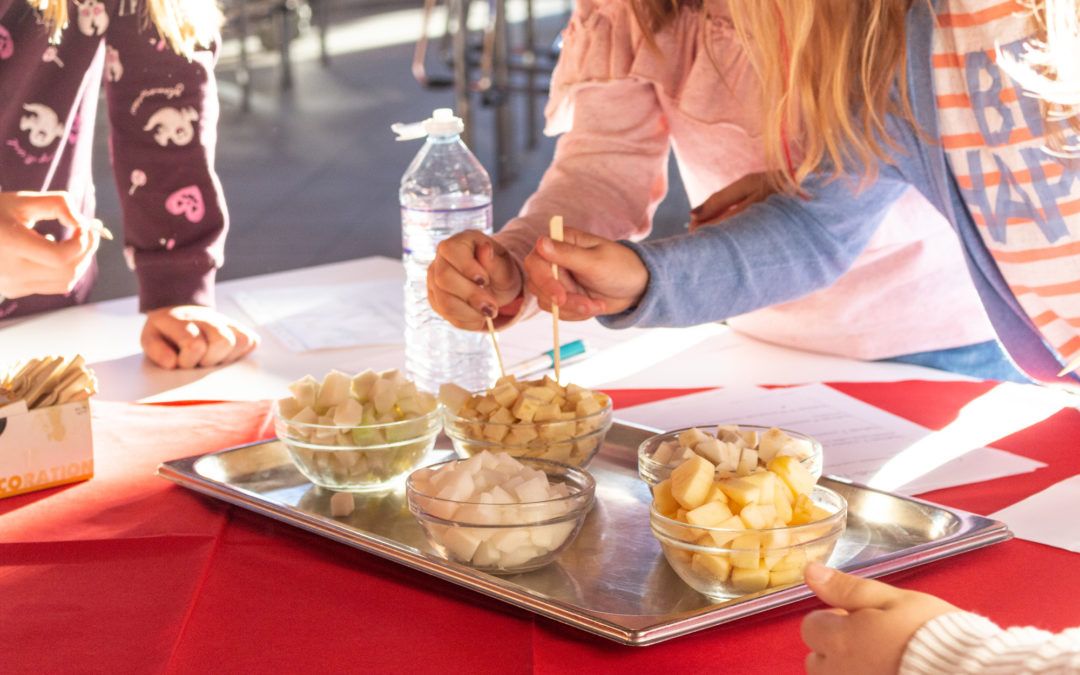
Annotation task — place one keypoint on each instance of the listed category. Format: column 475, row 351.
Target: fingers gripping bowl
column 538, row 419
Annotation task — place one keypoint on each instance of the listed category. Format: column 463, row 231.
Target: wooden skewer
column 495, row 344
column 556, row 231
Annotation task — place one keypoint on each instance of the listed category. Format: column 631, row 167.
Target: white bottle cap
column 443, row 122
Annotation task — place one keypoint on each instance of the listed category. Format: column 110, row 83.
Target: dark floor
column 312, row 176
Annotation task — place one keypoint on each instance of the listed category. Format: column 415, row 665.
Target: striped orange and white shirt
column 1024, row 201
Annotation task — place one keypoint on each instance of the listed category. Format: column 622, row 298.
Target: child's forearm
column 962, row 642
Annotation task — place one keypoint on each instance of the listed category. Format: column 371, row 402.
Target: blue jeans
column 984, row 360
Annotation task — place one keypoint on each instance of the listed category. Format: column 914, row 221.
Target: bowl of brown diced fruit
column 537, row 418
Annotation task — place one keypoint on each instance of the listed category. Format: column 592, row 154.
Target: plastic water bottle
column 443, row 192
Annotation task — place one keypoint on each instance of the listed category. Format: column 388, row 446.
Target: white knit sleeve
column 962, row 642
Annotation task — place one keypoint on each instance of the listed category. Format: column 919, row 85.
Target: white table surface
column 107, row 334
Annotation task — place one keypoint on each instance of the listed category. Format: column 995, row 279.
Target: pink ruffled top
column 621, row 106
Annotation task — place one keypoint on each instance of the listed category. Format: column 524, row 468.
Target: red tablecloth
column 128, row 573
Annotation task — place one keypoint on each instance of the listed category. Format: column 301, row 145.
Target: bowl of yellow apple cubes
column 733, row 532
column 538, row 419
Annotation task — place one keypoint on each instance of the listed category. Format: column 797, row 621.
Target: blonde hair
column 185, row 24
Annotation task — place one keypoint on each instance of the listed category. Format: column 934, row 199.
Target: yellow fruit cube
column 803, row 510
column 797, row 477
column 738, row 490
column 783, row 508
column 758, row 516
column 663, row 500
column 716, row 495
column 496, row 432
column 715, row 567
column 525, row 408
column 766, row 482
column 691, row 482
column 541, row 394
column 709, row 514
column 691, row 437
column 746, row 551
column 747, row 580
column 505, row 394
column 547, row 412
column 735, row 527
column 587, row 406
column 794, row 560
column 502, row 416
column 785, row 576
column 521, row 434
column 487, row 405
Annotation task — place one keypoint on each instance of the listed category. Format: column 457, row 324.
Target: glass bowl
column 504, row 538
column 652, row 472
column 725, row 563
column 358, row 457
column 571, row 441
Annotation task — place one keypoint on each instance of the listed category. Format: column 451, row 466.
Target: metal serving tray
column 613, row 581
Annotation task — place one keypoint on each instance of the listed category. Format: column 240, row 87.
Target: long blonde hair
column 185, row 24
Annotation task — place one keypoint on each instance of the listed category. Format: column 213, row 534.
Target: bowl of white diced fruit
column 737, row 449
column 500, row 514
column 734, row 535
column 359, row 432
column 540, row 419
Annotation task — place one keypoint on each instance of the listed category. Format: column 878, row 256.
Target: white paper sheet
column 331, row 316
column 861, row 442
column 1048, row 517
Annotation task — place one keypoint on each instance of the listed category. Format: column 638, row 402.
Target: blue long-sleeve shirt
column 786, row 246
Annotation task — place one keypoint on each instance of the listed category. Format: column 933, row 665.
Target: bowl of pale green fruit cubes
column 359, row 432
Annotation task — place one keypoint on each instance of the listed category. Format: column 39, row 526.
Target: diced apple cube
column 305, row 391
column 461, row 542
column 716, row 495
column 729, row 457
column 750, row 438
column 361, row 384
column 748, row 461
column 453, row 397
column 532, row 490
column 747, row 580
column 715, row 567
column 546, row 413
column 691, row 481
column 587, row 406
column 785, row 577
column 495, row 432
column 428, row 403
column 511, row 539
column 574, row 393
column 288, row 407
column 334, row 390
column 710, row 449
column 662, row 498
column 486, row 555
column 559, row 452
column 349, row 414
column 797, row 477
column 525, row 408
column 502, row 416
column 383, row 396
column 499, row 495
column 794, row 560
column 691, row 437
column 746, row 551
column 342, row 504
column 727, row 531
column 758, row 516
column 458, row 486
column 557, row 432
column 710, row 514
column 802, row 512
column 521, row 434
column 782, row 506
column 541, row 394
column 665, row 452
column 325, row 432
column 740, row 491
column 771, row 442
column 519, row 556
column 766, row 482
column 504, row 394
column 487, row 405
column 729, row 433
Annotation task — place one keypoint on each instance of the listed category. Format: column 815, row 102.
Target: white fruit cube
column 771, row 442
column 665, row 452
column 461, row 542
column 691, row 437
column 533, row 490
column 797, row 477
column 361, row 385
column 336, row 387
column 511, row 539
column 750, row 438
column 453, row 397
column 739, row 490
column 715, row 567
column 305, row 391
column 384, row 396
column 710, row 449
column 349, row 414
column 750, row 580
column 519, row 556
column 729, row 457
column 499, row 495
column 288, row 407
column 410, row 407
column 746, row 551
column 486, row 555
column 710, row 514
column 458, row 486
column 325, row 432
column 691, row 481
column 342, row 504
column 748, row 461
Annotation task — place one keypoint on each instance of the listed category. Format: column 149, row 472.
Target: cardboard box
column 44, row 448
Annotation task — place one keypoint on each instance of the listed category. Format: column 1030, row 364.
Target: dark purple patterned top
column 163, row 114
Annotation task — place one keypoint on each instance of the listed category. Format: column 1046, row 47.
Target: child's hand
column 471, row 277
column 869, row 626
column 750, row 189
column 32, row 264
column 190, row 336
column 596, row 275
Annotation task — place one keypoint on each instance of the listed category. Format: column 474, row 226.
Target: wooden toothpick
column 556, row 231
column 495, row 344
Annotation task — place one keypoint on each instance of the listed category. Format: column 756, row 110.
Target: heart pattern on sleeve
column 187, row 202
